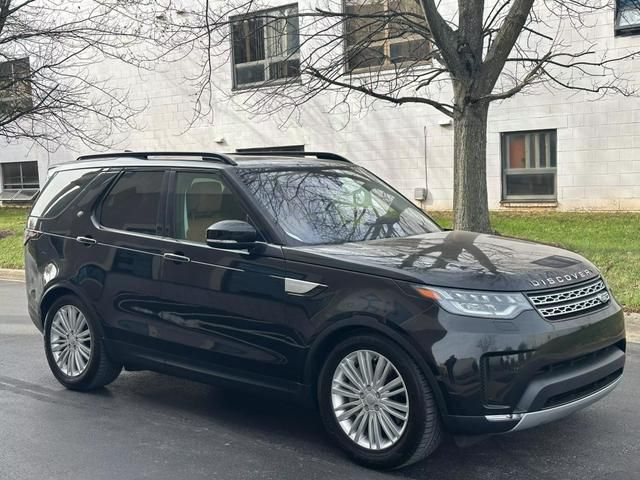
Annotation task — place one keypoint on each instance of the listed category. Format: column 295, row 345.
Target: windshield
column 333, row 205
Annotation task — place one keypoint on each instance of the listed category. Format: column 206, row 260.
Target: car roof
column 199, row 160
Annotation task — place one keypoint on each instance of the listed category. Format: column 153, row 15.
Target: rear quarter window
column 60, row 191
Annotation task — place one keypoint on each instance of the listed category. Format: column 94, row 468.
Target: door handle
column 88, row 241
column 174, row 257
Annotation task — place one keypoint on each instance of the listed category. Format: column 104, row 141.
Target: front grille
column 571, row 301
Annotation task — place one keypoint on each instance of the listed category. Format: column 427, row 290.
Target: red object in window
column 517, row 152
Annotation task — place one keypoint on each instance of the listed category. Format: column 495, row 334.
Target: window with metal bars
column 20, row 181
column 15, row 87
column 17, row 175
column 529, row 165
column 384, row 33
column 627, row 17
column 266, row 47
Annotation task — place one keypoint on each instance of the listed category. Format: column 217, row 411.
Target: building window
column 20, row 175
column 627, row 16
column 20, row 181
column 374, row 39
column 15, row 87
column 266, row 47
column 529, row 165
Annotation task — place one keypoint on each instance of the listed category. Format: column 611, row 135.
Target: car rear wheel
column 75, row 349
column 376, row 402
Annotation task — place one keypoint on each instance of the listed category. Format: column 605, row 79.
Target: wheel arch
column 352, row 326
column 56, row 291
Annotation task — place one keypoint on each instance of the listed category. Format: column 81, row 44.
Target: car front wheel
column 376, row 402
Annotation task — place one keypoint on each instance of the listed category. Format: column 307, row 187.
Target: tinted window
column 61, row 189
column 203, row 199
column 133, row 203
column 319, row 206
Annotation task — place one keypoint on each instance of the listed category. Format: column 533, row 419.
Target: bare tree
column 457, row 56
column 49, row 90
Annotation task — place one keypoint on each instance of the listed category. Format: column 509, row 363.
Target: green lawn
column 12, row 220
column 610, row 240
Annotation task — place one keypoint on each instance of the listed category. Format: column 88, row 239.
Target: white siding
column 598, row 142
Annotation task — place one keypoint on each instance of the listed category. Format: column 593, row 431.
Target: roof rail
column 301, row 153
column 206, row 156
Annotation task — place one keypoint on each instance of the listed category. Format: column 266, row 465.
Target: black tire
column 423, row 432
column 100, row 369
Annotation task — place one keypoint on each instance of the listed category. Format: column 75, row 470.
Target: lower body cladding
column 499, row 377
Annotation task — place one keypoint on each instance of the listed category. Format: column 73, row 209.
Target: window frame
column 625, row 30
column 265, row 233
column 388, row 64
column 267, row 60
column 161, row 218
column 22, row 185
column 504, row 172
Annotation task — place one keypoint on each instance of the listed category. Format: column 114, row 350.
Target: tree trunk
column 470, row 205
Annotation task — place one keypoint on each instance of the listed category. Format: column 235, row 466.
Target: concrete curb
column 632, row 319
column 12, row 274
column 632, row 322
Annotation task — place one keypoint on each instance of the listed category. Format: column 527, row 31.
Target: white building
column 559, row 149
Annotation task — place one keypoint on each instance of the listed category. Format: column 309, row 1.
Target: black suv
column 305, row 274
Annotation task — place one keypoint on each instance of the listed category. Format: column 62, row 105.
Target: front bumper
column 497, row 376
column 540, row 417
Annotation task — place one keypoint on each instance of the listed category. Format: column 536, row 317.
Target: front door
column 223, row 309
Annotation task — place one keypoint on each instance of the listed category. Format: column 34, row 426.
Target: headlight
column 477, row 304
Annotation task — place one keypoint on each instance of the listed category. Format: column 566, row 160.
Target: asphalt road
column 147, row 425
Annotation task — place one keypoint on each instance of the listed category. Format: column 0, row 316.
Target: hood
column 456, row 259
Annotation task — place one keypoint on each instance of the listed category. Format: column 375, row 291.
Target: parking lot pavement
column 147, row 425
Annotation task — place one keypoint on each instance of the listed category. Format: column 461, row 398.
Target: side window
column 201, row 200
column 134, row 202
column 61, row 189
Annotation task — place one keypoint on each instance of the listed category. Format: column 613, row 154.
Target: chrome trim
column 574, row 307
column 144, row 252
column 504, row 418
column 294, row 286
column 566, row 295
column 540, row 417
column 564, row 302
column 173, row 257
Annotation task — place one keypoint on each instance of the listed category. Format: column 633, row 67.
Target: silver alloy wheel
column 370, row 400
column 70, row 340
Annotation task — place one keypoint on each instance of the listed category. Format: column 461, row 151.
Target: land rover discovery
column 304, row 274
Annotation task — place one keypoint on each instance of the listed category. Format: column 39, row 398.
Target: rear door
column 224, row 308
column 125, row 256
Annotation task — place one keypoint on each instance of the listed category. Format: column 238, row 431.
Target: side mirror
column 231, row 234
